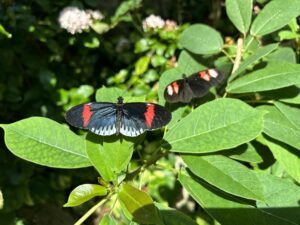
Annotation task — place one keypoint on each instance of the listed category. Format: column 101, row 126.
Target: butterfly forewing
column 140, row 117
column 99, row 118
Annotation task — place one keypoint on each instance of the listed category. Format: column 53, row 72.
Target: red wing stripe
column 86, row 114
column 149, row 115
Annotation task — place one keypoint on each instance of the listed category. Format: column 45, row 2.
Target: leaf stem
column 238, row 56
column 91, row 211
column 228, row 56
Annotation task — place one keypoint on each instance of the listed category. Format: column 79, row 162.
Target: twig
column 238, row 56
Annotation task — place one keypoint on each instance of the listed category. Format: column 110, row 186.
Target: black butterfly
column 129, row 119
column 194, row 86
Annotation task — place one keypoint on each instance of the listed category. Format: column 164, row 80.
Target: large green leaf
column 110, row 94
column 217, row 125
column 283, row 54
column 281, row 198
column 275, row 15
column 45, row 142
column 188, row 65
column 83, row 193
column 287, row 157
column 240, row 12
column 274, row 76
column 139, row 204
column 256, row 56
column 226, row 174
column 226, row 209
column 201, row 39
column 277, row 126
column 110, row 156
column 292, row 113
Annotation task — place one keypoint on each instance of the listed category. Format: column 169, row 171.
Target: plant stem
column 91, row 211
column 238, row 56
column 228, row 56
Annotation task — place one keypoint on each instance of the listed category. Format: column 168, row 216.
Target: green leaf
column 108, row 220
column 217, row 125
column 275, row 75
column 1, row 200
column 110, row 94
column 188, row 65
column 240, row 12
column 83, row 193
column 281, row 198
column 255, row 57
column 224, row 208
column 110, row 156
column 283, row 54
column 289, row 94
column 287, row 157
column 167, row 77
column 45, row 142
column 174, row 217
column 124, row 8
column 201, row 39
column 4, row 32
column 290, row 112
column 245, row 153
column 275, row 15
column 139, row 204
column 226, row 174
column 142, row 65
column 278, row 126
column 100, row 27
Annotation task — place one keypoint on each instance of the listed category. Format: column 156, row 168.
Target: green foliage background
column 240, row 153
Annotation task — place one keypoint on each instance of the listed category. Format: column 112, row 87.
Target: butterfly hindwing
column 178, row 91
column 140, row 117
column 99, row 118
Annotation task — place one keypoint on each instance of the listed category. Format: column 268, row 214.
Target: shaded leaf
column 275, row 75
column 45, row 142
column 174, row 217
column 83, row 193
column 226, row 174
column 286, row 156
column 254, row 57
column 281, row 198
column 216, row 125
column 201, row 39
column 224, row 208
column 240, row 12
column 277, row 126
column 245, row 153
column 139, row 204
column 275, row 15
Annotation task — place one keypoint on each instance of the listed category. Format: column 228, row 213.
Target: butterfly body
column 129, row 119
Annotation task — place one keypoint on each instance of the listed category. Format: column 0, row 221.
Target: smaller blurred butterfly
column 194, row 86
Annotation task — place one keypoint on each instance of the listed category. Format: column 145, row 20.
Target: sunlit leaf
column 45, row 142
column 83, row 193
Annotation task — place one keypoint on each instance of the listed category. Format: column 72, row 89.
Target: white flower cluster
column 75, row 20
column 156, row 22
